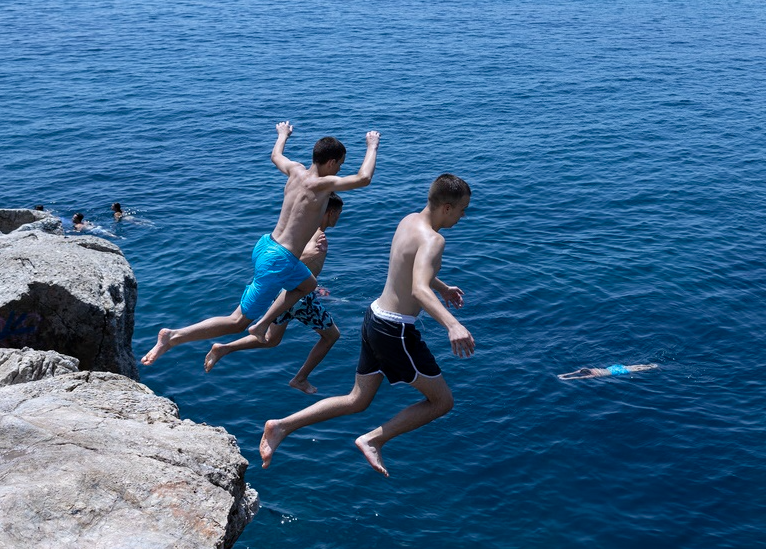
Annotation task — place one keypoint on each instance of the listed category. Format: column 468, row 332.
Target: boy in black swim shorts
column 391, row 345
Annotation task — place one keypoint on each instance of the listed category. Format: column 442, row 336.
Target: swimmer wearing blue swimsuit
column 613, row 370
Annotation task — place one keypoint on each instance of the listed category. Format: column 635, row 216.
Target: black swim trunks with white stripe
column 391, row 345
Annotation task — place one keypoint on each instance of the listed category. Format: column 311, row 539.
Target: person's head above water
column 326, row 149
column 77, row 218
column 116, row 207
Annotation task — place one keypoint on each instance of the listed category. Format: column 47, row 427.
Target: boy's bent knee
column 447, row 404
column 240, row 322
column 308, row 285
column 357, row 405
column 331, row 335
column 443, row 402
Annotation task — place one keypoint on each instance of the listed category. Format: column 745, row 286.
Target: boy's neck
column 432, row 218
column 320, row 169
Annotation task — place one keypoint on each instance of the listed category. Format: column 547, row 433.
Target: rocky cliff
column 72, row 294
column 93, row 458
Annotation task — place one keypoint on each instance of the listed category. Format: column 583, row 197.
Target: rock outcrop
column 25, row 365
column 29, row 220
column 96, row 460
column 75, row 295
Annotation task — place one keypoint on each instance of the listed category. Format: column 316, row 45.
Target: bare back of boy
column 414, row 262
column 305, row 201
column 304, row 204
column 412, row 234
column 308, row 190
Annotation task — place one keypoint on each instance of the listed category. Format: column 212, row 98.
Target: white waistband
column 391, row 317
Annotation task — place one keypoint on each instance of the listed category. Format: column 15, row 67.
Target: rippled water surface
column 615, row 151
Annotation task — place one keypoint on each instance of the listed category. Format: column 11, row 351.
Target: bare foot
column 163, row 344
column 304, row 386
column 258, row 332
column 372, row 453
column 217, row 351
column 273, row 434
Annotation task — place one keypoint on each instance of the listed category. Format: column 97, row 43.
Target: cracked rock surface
column 25, row 365
column 94, row 459
column 72, row 294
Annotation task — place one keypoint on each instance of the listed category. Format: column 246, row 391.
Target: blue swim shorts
column 275, row 268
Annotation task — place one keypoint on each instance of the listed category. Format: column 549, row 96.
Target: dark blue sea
column 616, row 155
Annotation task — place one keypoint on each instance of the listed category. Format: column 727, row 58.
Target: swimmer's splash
column 614, row 370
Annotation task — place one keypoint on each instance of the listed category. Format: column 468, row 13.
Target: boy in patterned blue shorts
column 309, row 311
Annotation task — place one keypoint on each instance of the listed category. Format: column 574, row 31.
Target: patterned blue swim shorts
column 310, row 312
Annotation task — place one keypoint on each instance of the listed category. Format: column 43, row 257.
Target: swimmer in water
column 79, row 223
column 614, row 370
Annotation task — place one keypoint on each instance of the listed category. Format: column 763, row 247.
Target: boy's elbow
column 421, row 294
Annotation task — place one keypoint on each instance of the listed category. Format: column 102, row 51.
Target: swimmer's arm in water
column 452, row 295
column 616, row 369
column 284, row 164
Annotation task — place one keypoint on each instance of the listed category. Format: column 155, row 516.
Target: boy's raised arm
column 284, row 129
column 364, row 176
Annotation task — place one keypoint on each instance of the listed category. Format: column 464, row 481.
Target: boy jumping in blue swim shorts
column 275, row 256
column 391, row 345
column 309, row 311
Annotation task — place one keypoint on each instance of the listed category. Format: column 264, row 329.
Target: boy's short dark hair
column 326, row 149
column 335, row 202
column 78, row 217
column 447, row 189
